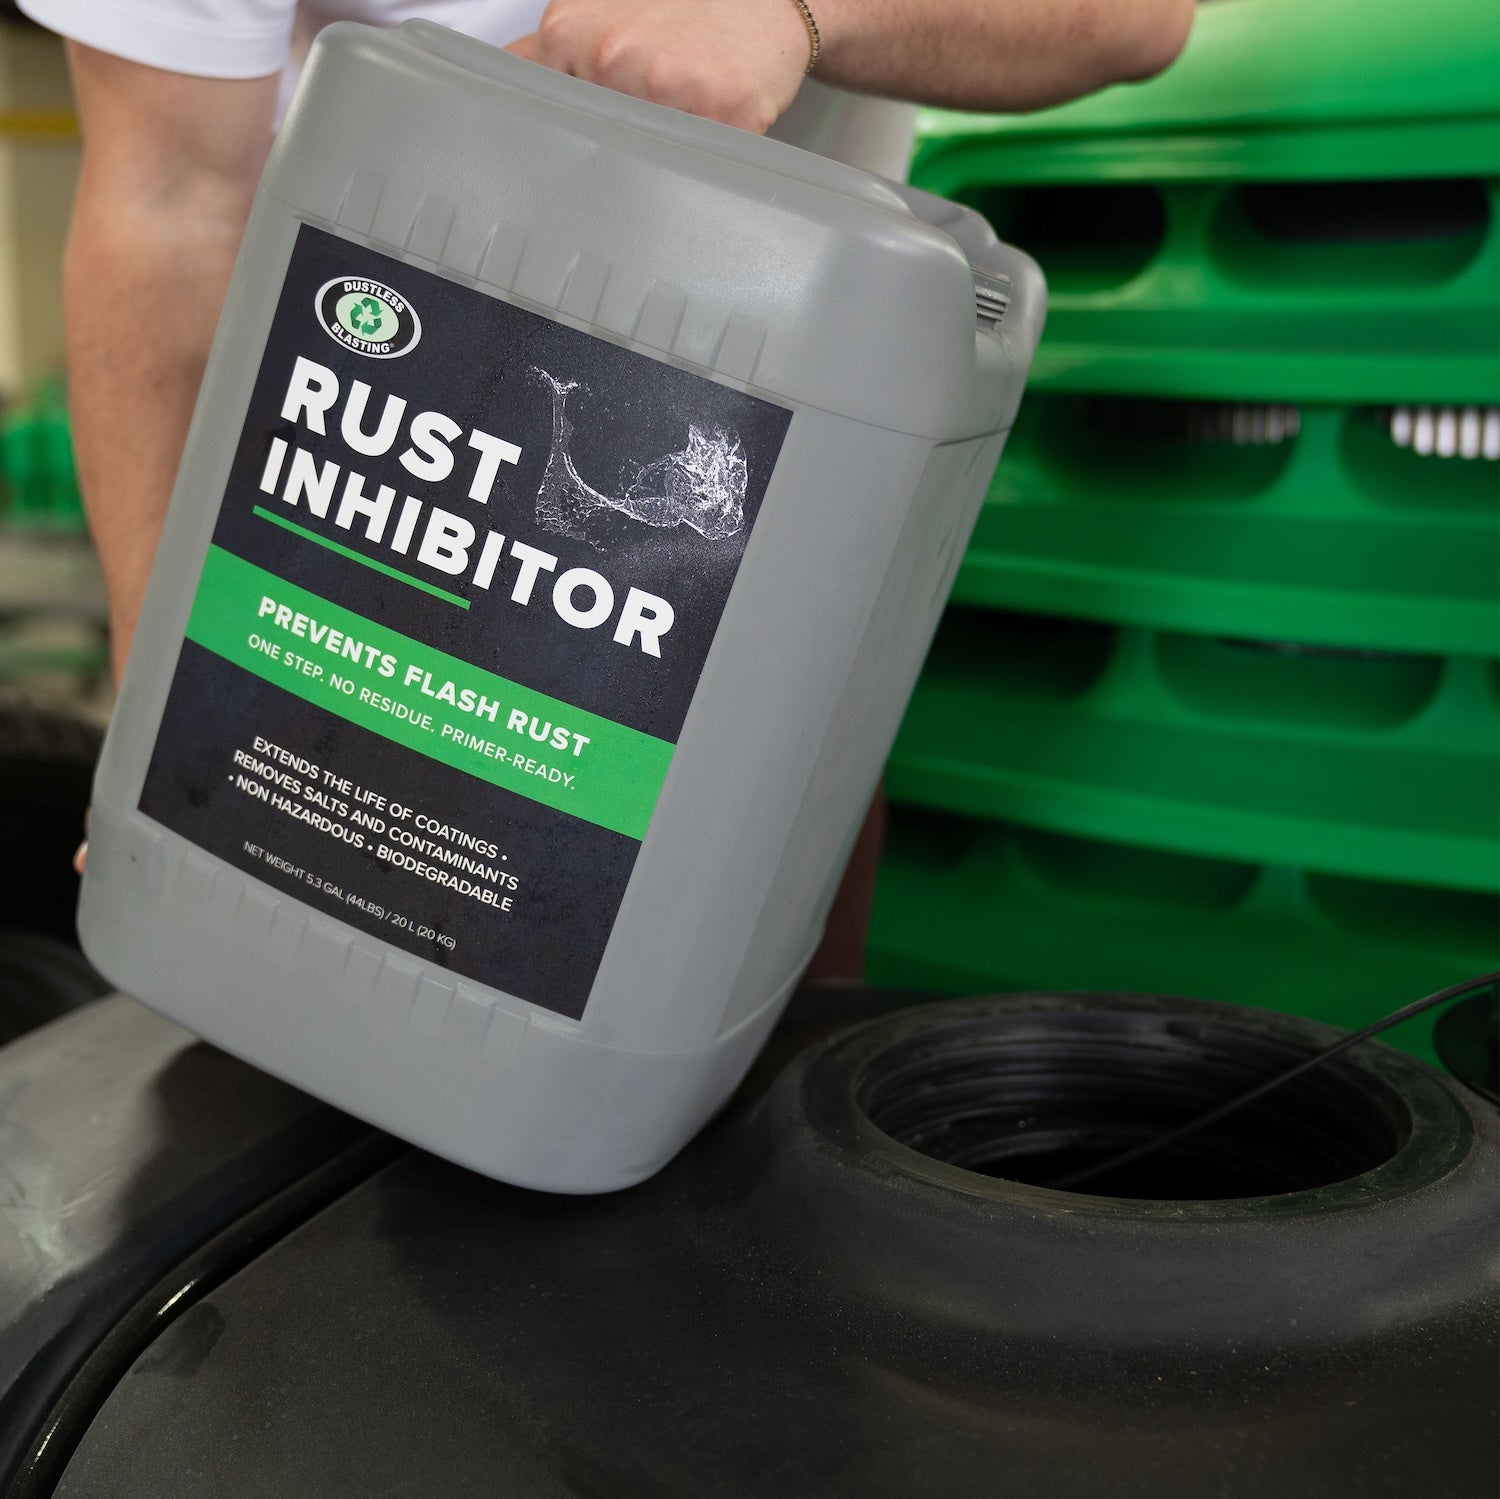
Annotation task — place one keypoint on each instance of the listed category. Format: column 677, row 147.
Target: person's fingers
column 81, row 857
column 736, row 61
column 524, row 46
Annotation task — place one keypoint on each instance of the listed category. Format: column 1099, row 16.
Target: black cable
column 1220, row 1111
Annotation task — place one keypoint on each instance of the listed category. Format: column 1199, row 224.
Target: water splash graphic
column 701, row 485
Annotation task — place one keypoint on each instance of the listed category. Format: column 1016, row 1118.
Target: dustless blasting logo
column 368, row 317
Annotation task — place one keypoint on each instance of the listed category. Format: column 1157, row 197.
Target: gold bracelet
column 814, row 41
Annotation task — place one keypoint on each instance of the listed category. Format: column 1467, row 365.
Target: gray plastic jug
column 570, row 501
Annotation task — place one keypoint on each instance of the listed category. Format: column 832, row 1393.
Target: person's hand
column 737, row 61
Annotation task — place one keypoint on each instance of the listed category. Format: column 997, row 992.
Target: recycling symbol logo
column 366, row 317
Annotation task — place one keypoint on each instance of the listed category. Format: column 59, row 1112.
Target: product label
column 465, row 574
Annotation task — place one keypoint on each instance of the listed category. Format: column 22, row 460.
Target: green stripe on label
column 413, row 695
column 353, row 556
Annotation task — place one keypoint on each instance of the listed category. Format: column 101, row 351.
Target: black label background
column 472, row 364
column 573, row 872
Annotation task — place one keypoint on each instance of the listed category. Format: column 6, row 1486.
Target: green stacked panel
column 1379, row 765
column 1218, row 709
column 970, row 906
column 1314, row 524
column 1379, row 290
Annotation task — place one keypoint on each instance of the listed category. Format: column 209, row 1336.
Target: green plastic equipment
column 38, row 478
column 969, row 907
column 52, row 630
column 1317, row 524
column 1303, row 208
column 1369, row 764
column 1254, row 752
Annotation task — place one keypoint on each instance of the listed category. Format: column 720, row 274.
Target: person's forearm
column 995, row 54
column 742, row 61
column 168, row 176
column 139, row 327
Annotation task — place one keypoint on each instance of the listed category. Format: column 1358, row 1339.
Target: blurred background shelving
column 52, row 634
